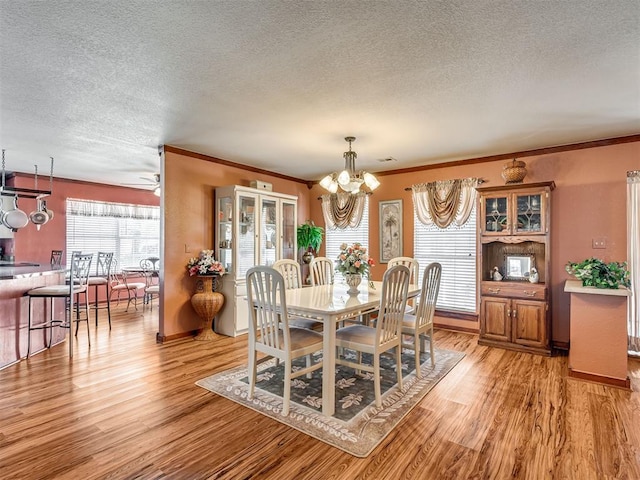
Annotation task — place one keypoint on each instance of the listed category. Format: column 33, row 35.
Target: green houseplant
column 595, row 273
column 309, row 237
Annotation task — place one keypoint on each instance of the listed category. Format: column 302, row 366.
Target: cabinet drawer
column 537, row 291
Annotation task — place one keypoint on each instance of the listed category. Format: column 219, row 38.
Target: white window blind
column 131, row 232
column 455, row 249
column 334, row 237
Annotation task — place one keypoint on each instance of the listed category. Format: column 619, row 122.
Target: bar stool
column 101, row 279
column 119, row 283
column 56, row 258
column 151, row 280
column 79, row 275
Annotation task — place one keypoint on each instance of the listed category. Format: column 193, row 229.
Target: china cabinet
column 252, row 227
column 514, row 240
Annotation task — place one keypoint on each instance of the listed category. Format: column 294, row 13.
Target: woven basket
column 514, row 171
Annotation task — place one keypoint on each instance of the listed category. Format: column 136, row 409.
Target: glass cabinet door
column 225, row 232
column 246, row 244
column 496, row 215
column 528, row 213
column 288, row 226
column 268, row 231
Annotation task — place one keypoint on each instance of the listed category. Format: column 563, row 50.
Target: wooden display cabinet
column 513, row 235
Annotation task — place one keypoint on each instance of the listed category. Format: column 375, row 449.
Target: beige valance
column 444, row 202
column 342, row 210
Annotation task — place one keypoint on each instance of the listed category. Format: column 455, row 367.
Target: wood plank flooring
column 128, row 408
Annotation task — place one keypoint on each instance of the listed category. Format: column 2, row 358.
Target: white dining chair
column 269, row 331
column 321, row 271
column 290, row 271
column 421, row 324
column 386, row 333
column 414, row 266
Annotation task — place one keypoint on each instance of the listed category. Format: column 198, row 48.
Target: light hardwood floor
column 128, row 408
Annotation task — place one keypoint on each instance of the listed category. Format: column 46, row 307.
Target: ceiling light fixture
column 348, row 179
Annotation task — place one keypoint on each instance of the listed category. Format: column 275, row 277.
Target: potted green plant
column 309, row 237
column 595, row 273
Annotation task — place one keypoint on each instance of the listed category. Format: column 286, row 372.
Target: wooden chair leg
column 376, row 380
column 416, row 348
column 399, row 366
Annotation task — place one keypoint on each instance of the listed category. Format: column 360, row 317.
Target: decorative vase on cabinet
column 207, row 303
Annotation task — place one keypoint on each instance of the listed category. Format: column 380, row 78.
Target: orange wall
column 589, row 201
column 188, row 200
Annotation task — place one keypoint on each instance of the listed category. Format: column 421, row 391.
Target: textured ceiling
column 278, row 84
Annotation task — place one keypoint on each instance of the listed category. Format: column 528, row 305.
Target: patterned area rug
column 357, row 426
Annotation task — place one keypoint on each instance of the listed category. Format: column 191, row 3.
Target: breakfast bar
column 15, row 280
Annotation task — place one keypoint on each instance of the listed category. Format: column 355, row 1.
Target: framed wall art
column 390, row 230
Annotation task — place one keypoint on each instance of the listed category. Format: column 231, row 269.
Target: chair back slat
column 393, row 300
column 290, row 271
column 268, row 319
column 322, row 269
column 429, row 294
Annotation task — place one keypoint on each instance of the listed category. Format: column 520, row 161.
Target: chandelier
column 349, row 179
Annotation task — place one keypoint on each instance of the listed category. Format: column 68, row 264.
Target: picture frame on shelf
column 390, row 229
column 518, row 267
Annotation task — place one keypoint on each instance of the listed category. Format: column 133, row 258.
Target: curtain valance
column 342, row 210
column 89, row 208
column 444, row 202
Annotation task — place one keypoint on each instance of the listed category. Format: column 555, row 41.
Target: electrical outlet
column 187, row 248
column 600, row 242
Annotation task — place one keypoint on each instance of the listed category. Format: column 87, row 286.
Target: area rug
column 357, row 426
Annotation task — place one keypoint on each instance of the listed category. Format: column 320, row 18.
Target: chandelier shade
column 349, row 180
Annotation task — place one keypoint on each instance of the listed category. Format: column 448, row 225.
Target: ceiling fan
column 154, row 183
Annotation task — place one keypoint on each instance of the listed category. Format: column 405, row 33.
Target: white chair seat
column 357, row 334
column 305, row 323
column 409, row 321
column 55, row 291
column 128, row 286
column 98, row 281
column 153, row 289
column 302, row 338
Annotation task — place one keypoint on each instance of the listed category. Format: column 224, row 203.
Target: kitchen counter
column 25, row 270
column 15, row 281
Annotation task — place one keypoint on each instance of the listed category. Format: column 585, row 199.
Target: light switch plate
column 599, row 242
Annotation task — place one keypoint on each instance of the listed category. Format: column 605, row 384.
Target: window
column 131, row 232
column 334, row 237
column 455, row 249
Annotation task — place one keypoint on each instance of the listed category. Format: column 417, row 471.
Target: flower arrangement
column 353, row 259
column 595, row 273
column 205, row 264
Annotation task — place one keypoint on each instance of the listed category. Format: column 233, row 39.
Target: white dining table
column 331, row 304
